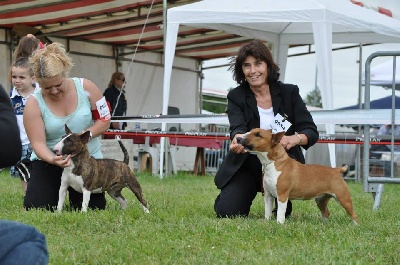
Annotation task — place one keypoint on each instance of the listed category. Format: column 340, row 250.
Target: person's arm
column 99, row 126
column 236, row 115
column 112, row 100
column 303, row 123
column 35, row 129
column 10, row 142
column 237, row 123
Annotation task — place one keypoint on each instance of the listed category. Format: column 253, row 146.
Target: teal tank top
column 78, row 121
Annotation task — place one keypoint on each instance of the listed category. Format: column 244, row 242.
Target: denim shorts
column 26, row 150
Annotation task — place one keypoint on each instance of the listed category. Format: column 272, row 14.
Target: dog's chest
column 75, row 181
column 271, row 176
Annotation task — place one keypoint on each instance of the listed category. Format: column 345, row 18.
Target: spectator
column 115, row 95
column 22, row 244
column 387, row 130
column 19, row 243
column 10, row 142
column 24, row 84
column 376, row 151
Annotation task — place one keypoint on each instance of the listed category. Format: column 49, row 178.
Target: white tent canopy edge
column 318, row 22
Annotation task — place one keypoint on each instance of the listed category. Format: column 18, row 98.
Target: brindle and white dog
column 88, row 175
column 287, row 179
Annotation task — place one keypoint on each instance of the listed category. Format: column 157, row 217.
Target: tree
column 313, row 98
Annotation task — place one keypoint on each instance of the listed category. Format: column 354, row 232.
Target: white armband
column 103, row 109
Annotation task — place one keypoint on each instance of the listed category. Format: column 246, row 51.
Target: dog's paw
column 280, row 221
column 268, row 216
column 145, row 209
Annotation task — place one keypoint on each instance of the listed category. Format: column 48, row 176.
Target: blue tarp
column 381, row 103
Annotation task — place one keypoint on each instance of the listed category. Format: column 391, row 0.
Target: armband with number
column 103, row 110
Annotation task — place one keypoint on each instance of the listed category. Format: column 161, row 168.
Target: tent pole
column 358, row 156
column 164, row 108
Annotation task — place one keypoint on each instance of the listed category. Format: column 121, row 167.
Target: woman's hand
column 235, row 146
column 61, row 162
column 289, row 141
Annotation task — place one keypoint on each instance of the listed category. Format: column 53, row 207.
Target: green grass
column 182, row 228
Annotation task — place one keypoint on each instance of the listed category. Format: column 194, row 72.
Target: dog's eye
column 258, row 134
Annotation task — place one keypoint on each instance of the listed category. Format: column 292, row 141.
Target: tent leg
column 377, row 197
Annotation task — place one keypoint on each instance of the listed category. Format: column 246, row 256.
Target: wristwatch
column 91, row 135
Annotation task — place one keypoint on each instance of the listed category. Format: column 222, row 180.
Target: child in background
column 26, row 46
column 24, row 85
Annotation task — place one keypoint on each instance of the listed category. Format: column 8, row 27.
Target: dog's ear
column 85, row 137
column 67, row 130
column 276, row 137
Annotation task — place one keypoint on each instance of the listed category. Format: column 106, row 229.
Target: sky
column 301, row 70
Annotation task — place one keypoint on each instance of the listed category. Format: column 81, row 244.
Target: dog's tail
column 126, row 155
column 344, row 169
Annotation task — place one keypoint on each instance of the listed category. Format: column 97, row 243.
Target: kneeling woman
column 62, row 100
column 254, row 104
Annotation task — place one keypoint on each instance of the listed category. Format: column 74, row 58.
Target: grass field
column 182, row 228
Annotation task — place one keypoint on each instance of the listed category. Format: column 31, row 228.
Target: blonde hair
column 51, row 61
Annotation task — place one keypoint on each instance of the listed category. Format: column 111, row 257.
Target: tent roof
column 117, row 22
column 382, row 74
column 289, row 21
column 120, row 22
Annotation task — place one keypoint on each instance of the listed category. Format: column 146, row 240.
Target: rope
column 134, row 54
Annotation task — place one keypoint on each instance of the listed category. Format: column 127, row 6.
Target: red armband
column 96, row 114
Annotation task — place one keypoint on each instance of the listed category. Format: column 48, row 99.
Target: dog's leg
column 345, row 200
column 268, row 201
column 280, row 215
column 116, row 195
column 322, row 203
column 85, row 200
column 134, row 186
column 62, row 193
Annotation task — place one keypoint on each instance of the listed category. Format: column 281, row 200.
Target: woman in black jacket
column 10, row 142
column 254, row 104
column 115, row 95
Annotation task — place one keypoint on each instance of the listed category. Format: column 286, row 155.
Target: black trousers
column 43, row 187
column 236, row 197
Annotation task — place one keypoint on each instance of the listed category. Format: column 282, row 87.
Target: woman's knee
column 228, row 209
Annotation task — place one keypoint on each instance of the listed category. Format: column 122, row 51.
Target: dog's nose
column 239, row 140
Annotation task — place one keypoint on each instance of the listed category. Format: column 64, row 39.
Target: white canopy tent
column 382, row 74
column 319, row 22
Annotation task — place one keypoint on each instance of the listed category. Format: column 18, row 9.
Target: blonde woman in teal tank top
column 62, row 100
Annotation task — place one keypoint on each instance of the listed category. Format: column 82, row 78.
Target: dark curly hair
column 258, row 50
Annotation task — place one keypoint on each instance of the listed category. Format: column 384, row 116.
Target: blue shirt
column 78, row 121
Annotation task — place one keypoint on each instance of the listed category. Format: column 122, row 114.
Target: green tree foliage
column 313, row 98
column 214, row 104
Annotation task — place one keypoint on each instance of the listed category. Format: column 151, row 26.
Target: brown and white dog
column 88, row 175
column 287, row 179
